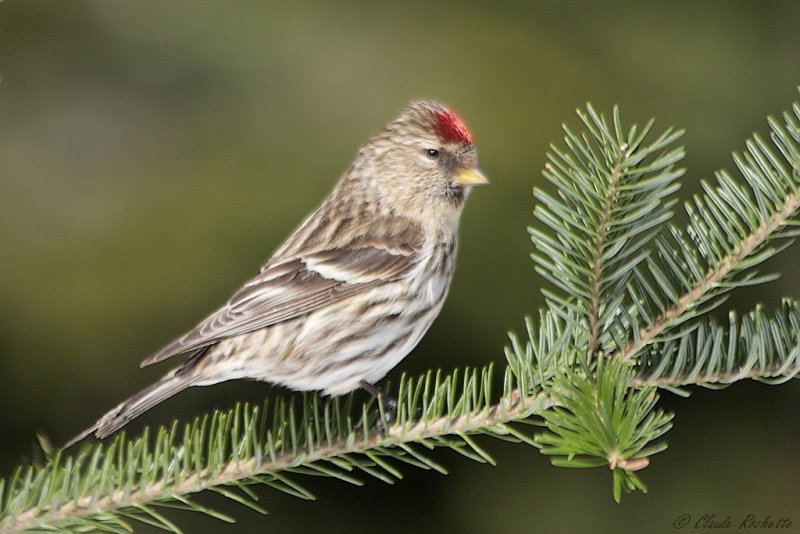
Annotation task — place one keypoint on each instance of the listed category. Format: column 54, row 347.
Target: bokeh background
column 153, row 154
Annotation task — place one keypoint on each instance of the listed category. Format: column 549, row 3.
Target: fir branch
column 245, row 470
column 754, row 223
column 714, row 277
column 599, row 248
column 613, row 193
column 250, row 445
column 603, row 421
column 762, row 345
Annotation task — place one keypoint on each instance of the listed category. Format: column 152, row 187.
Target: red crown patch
column 451, row 129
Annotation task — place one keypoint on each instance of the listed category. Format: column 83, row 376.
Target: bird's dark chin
column 455, row 194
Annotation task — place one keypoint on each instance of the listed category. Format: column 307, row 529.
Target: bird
column 353, row 289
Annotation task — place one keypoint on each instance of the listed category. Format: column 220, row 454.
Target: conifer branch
column 517, row 406
column 762, row 345
column 714, row 277
column 720, row 377
column 774, row 183
column 599, row 248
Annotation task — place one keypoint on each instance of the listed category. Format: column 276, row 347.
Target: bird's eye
column 432, row 152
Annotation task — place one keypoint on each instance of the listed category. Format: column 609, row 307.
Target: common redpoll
column 354, row 288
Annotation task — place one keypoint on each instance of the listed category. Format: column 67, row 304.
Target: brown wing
column 294, row 287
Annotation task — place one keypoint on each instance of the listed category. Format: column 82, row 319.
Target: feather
column 287, row 289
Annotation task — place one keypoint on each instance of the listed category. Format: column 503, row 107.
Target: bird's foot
column 389, row 405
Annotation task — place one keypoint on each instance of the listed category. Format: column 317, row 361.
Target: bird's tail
column 135, row 406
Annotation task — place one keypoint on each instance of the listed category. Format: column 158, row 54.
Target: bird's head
column 424, row 161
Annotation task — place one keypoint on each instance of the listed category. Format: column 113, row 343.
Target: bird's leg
column 389, row 404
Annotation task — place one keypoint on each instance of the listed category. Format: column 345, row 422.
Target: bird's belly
column 334, row 348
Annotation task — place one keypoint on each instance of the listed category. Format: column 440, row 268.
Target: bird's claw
column 389, row 404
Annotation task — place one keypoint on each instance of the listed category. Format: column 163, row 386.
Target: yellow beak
column 471, row 176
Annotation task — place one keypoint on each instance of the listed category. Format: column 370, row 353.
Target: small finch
column 353, row 289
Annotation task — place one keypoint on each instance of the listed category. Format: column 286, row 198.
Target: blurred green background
column 153, row 154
